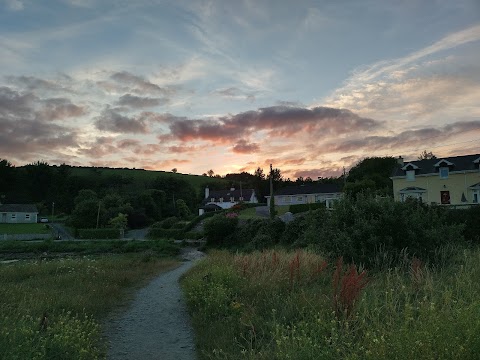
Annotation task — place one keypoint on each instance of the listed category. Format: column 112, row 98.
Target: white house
column 307, row 193
column 18, row 213
column 225, row 199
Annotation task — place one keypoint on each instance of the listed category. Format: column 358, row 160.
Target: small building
column 225, row 199
column 451, row 180
column 306, row 194
column 18, row 213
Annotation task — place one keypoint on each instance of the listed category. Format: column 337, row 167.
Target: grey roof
column 227, row 194
column 19, row 208
column 427, row 166
column 413, row 188
column 313, row 188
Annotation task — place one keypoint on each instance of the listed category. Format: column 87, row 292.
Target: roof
column 211, row 207
column 313, row 188
column 19, row 208
column 227, row 194
column 413, row 189
column 427, row 166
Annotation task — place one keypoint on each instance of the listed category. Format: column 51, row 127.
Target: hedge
column 299, row 208
column 107, row 233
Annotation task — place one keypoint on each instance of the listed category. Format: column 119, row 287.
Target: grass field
column 53, row 309
column 10, row 249
column 250, row 213
column 296, row 305
column 24, row 229
column 143, row 176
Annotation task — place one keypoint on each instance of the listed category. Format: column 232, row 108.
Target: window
column 27, row 216
column 212, row 199
column 299, row 198
column 241, row 198
column 444, row 172
column 14, row 216
column 410, row 175
column 475, row 197
column 232, row 199
column 221, row 199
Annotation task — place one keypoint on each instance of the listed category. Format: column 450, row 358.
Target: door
column 445, row 197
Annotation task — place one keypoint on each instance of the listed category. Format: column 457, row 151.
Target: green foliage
column 53, row 309
column 285, row 305
column 183, row 212
column 371, row 174
column 470, row 219
column 219, row 228
column 299, row 208
column 108, row 233
column 85, row 214
column 356, row 229
column 119, row 222
column 24, row 229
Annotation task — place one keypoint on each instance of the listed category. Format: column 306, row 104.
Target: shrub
column 107, row 233
column 168, row 222
column 218, row 228
column 299, row 208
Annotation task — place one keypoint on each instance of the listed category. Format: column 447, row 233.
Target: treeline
column 148, row 198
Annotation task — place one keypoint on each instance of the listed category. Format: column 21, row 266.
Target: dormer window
column 221, row 199
column 443, row 172
column 232, row 199
column 212, row 199
column 410, row 175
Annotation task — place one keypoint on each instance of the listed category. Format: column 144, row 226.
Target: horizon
column 231, row 86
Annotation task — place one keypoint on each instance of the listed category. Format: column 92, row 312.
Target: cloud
column 15, row 5
column 35, row 83
column 244, row 147
column 128, row 143
column 99, row 148
column 404, row 140
column 138, row 84
column 113, row 121
column 59, row 109
column 280, row 121
column 23, row 135
column 235, row 93
column 141, row 102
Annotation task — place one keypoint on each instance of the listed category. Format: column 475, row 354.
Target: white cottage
column 225, row 199
column 18, row 213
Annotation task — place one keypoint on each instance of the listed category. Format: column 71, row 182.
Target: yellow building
column 444, row 181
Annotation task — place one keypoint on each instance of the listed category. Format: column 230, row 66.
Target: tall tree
column 424, row 155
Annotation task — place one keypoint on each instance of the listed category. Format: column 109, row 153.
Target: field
column 9, row 249
column 144, row 176
column 24, row 229
column 53, row 309
column 298, row 305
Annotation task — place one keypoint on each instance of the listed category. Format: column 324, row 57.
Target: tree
column 174, row 170
column 376, row 170
column 426, row 155
column 119, row 222
column 210, row 173
column 183, row 212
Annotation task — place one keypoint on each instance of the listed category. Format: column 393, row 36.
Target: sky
column 311, row 87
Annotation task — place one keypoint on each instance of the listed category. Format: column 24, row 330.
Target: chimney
column 400, row 161
column 207, row 192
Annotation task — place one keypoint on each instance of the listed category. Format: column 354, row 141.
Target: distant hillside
column 142, row 177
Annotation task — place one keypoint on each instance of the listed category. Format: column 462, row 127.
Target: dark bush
column 159, row 233
column 108, row 233
column 169, row 222
column 219, row 228
column 470, row 218
column 356, row 229
column 299, row 208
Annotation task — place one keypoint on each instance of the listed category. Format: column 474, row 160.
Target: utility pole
column 98, row 213
column 272, row 200
column 53, row 208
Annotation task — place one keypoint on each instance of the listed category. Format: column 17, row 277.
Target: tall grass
column 295, row 305
column 52, row 309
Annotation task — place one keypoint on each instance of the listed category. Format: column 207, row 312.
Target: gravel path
column 156, row 325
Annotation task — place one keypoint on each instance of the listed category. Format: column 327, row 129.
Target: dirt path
column 156, row 325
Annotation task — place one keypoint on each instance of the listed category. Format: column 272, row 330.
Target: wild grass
column 24, row 229
column 11, row 249
column 53, row 309
column 296, row 305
